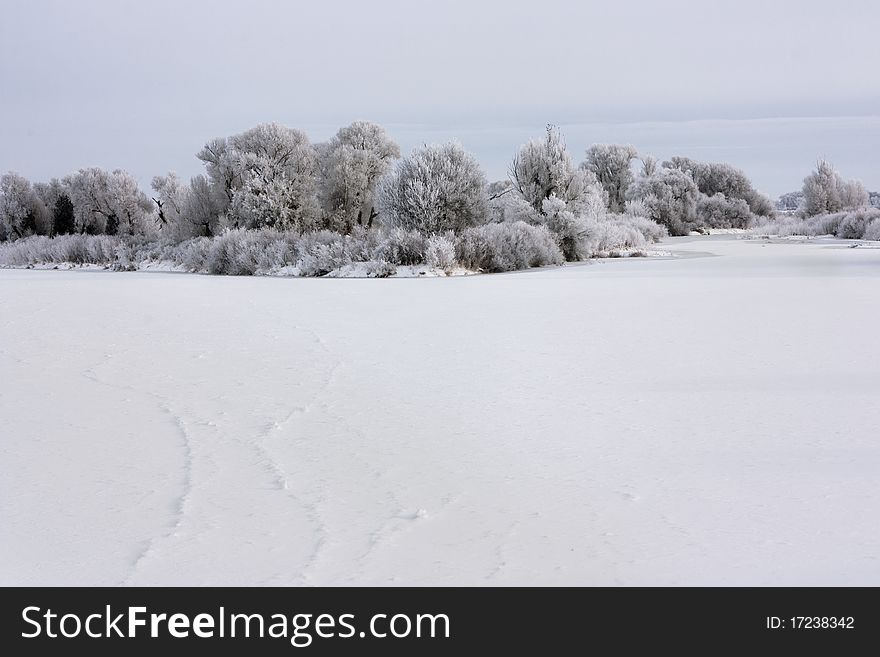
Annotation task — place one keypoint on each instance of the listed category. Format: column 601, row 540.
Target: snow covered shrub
column 437, row 188
column 651, row 230
column 24, row 252
column 636, row 208
column 507, row 247
column 783, row 225
column 65, row 249
column 854, row 225
column 362, row 244
column 440, row 252
column 225, row 254
column 379, row 269
column 569, row 229
column 402, row 247
column 610, row 236
column 321, row 259
column 239, row 252
column 718, row 211
column 193, row 254
column 124, row 258
column 872, row 230
column 857, row 224
column 824, row 224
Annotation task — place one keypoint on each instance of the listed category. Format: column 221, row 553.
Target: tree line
column 271, row 177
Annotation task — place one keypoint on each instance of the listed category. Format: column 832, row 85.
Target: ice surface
column 711, row 419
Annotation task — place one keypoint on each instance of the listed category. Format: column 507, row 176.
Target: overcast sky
column 141, row 85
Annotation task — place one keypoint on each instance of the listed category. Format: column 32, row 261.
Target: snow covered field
column 711, row 418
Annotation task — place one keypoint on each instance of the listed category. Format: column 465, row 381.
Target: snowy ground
column 689, row 420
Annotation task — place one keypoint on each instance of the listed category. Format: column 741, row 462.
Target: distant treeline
column 357, row 186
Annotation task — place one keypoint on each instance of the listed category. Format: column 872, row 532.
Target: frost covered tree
column 649, row 165
column 268, row 175
column 223, row 165
column 611, row 164
column 54, row 196
column 543, row 168
column 170, row 194
column 274, row 201
column 188, row 210
column 350, row 167
column 436, row 189
column 130, row 205
column 22, row 212
column 719, row 178
column 63, row 217
column 853, row 195
column 202, row 207
column 568, row 228
column 825, row 191
column 669, row 196
column 507, row 205
column 108, row 203
column 822, row 190
column 790, row 201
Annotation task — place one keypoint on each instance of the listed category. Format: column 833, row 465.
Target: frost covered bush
column 787, row 225
column 857, row 224
column 240, row 252
column 402, row 247
column 651, row 230
column 325, row 251
column 321, row 259
column 610, row 236
column 192, row 254
column 437, row 188
column 507, row 247
column 362, row 244
column 718, row 211
column 872, row 230
column 229, row 254
column 568, row 228
column 67, row 249
column 379, row 269
column 440, row 252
